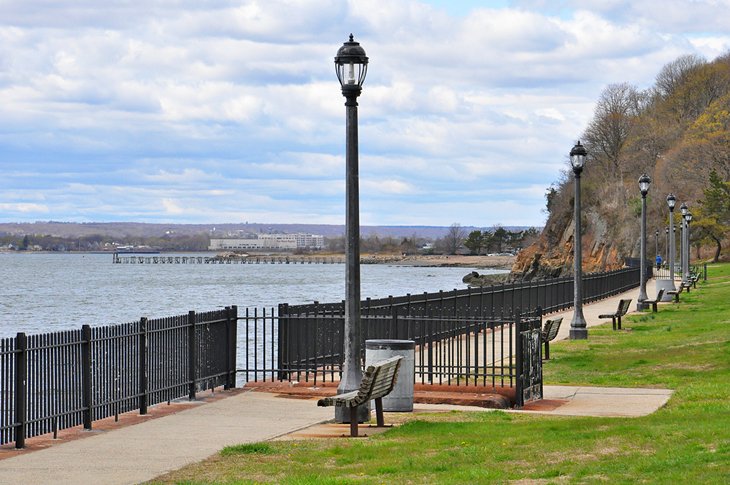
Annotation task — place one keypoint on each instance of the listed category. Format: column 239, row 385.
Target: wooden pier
column 264, row 259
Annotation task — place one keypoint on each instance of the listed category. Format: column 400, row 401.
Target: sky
column 193, row 111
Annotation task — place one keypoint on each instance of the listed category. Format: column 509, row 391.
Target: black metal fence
column 59, row 380
column 451, row 348
column 664, row 273
column 310, row 337
column 551, row 295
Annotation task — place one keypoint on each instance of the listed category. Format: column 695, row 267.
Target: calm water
column 48, row 292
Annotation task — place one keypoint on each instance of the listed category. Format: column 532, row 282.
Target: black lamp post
column 671, row 202
column 667, row 284
column 641, row 304
column 656, row 245
column 578, row 328
column 683, row 209
column 688, row 219
column 351, row 65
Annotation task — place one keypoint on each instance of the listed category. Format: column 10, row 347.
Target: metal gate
column 529, row 360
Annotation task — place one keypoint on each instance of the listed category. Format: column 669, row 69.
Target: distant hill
column 145, row 230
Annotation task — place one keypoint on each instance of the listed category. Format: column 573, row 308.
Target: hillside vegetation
column 678, row 132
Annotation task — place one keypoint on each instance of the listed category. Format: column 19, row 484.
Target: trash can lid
column 390, row 344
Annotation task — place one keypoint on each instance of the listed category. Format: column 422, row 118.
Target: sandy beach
column 491, row 262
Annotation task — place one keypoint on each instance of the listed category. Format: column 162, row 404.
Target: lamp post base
column 578, row 333
column 667, row 285
column 351, row 382
column 342, row 415
column 641, row 306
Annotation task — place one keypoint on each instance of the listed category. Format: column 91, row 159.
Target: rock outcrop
column 552, row 255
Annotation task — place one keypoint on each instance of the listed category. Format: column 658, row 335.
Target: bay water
column 46, row 292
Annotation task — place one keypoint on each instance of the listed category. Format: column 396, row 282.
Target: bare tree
column 673, row 74
column 454, row 238
column 612, row 122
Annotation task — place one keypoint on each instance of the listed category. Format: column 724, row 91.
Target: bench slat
column 378, row 381
column 550, row 330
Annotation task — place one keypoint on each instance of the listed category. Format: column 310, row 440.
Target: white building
column 278, row 242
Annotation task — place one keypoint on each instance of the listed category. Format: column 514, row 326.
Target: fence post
column 232, row 345
column 192, row 355
column 86, row 395
column 143, row 399
column 227, row 344
column 519, row 401
column 393, row 333
column 705, row 273
column 283, row 356
column 21, row 387
column 430, row 337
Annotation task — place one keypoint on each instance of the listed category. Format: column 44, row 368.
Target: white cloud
column 24, row 208
column 230, row 110
column 387, row 187
column 173, row 207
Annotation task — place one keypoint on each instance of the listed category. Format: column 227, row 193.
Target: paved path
column 142, row 451
column 602, row 307
column 605, row 401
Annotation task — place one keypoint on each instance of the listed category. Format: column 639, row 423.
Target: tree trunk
column 718, row 250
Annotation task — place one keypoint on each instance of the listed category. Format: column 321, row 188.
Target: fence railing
column 453, row 349
column 552, row 295
column 664, row 273
column 59, row 380
column 311, row 335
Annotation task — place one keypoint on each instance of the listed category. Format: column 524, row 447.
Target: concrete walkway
column 602, row 307
column 604, row 401
column 143, row 451
column 153, row 446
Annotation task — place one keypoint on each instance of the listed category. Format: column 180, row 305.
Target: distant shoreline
column 435, row 261
column 458, row 261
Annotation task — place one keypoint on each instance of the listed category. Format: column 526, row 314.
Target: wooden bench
column 377, row 381
column 693, row 279
column 676, row 293
column 549, row 332
column 654, row 302
column 623, row 307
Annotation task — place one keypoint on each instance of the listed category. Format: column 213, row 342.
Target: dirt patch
column 477, row 396
column 493, row 262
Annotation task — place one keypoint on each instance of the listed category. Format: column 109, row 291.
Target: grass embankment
column 685, row 347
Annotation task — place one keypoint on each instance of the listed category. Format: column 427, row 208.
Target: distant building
column 277, row 242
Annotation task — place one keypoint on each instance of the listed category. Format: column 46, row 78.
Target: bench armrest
column 338, row 400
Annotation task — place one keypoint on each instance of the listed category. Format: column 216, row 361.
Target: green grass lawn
column 684, row 347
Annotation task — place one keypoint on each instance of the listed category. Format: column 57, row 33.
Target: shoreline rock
column 476, row 280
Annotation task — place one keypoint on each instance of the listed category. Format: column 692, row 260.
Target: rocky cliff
column 552, row 255
column 677, row 132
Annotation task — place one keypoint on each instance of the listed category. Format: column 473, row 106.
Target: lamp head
column 644, row 182
column 351, row 65
column 578, row 157
column 683, row 209
column 671, row 201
